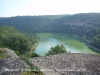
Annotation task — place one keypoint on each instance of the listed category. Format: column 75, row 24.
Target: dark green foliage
column 1, row 41
column 12, row 38
column 56, row 50
column 18, row 43
column 17, row 52
column 96, row 41
column 34, row 55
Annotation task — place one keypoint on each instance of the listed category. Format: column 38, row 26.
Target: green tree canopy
column 14, row 39
column 57, row 49
column 96, row 41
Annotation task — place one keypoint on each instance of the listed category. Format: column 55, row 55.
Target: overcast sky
column 10, row 8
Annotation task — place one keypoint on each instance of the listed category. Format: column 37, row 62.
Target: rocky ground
column 11, row 64
column 68, row 64
column 60, row 64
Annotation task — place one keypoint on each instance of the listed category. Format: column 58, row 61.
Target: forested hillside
column 85, row 25
column 14, row 39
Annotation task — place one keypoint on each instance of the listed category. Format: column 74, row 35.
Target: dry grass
column 2, row 51
column 8, row 56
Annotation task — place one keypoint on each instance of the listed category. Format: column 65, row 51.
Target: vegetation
column 21, row 43
column 34, row 69
column 12, row 38
column 34, row 55
column 2, row 54
column 27, row 73
column 96, row 41
column 17, row 52
column 56, row 50
column 30, row 73
column 85, row 25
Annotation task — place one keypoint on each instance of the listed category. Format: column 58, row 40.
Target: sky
column 9, row 8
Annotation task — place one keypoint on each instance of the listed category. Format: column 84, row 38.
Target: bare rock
column 68, row 64
column 11, row 64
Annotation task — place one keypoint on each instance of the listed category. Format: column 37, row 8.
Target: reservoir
column 72, row 43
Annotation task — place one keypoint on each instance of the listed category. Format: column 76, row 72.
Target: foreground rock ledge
column 68, row 64
column 11, row 64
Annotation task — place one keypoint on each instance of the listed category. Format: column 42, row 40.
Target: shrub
column 57, row 49
column 34, row 55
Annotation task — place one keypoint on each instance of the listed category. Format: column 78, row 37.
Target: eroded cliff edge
column 60, row 64
column 68, row 64
column 11, row 64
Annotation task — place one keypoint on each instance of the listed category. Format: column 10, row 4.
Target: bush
column 17, row 52
column 57, row 49
column 34, row 55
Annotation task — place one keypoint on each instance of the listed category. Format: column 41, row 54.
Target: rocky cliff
column 68, row 64
column 11, row 64
column 60, row 64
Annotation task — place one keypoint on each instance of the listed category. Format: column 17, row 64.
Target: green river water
column 72, row 43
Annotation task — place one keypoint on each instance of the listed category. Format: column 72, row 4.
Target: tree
column 96, row 41
column 34, row 55
column 12, row 38
column 56, row 50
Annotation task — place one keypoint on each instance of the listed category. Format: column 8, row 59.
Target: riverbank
column 88, row 42
column 91, row 46
column 94, row 48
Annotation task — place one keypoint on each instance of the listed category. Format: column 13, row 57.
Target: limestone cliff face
column 68, row 64
column 11, row 64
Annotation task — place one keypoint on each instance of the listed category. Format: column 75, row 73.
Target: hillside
column 15, row 50
column 85, row 25
column 14, row 39
column 68, row 64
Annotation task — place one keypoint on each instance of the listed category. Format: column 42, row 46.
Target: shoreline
column 88, row 42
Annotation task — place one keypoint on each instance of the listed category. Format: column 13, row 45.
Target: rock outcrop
column 60, row 64
column 68, row 64
column 11, row 64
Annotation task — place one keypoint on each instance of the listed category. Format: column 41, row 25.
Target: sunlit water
column 72, row 43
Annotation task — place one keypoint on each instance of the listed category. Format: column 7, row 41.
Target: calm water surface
column 72, row 43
